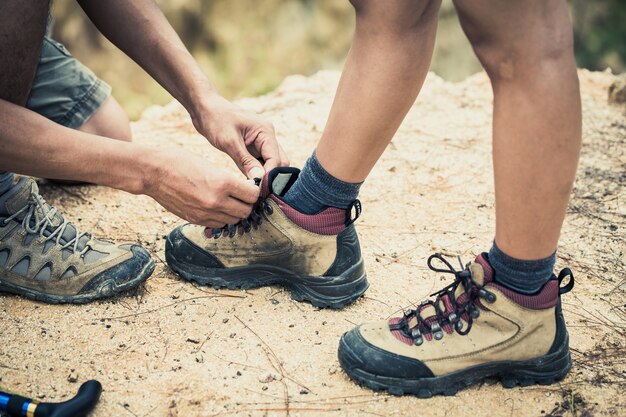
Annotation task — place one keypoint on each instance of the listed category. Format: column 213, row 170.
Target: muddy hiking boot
column 317, row 256
column 473, row 330
column 43, row 257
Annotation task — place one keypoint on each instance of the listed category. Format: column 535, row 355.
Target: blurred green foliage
column 247, row 47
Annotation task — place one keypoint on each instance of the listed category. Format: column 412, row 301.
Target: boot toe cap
column 356, row 353
column 124, row 275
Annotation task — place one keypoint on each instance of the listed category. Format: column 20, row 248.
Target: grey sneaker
column 44, row 257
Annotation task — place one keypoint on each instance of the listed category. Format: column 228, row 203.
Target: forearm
column 33, row 145
column 140, row 29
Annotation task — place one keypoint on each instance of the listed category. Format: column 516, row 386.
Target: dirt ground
column 174, row 349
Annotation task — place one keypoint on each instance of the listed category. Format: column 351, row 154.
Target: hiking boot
column 43, row 257
column 474, row 329
column 317, row 256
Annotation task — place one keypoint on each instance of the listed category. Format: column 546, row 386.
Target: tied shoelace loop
column 39, row 219
column 261, row 208
column 445, row 318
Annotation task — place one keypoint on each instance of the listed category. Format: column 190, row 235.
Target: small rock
column 332, row 370
column 267, row 378
column 617, row 91
column 274, row 301
column 304, row 391
column 72, row 377
column 264, row 388
column 225, row 320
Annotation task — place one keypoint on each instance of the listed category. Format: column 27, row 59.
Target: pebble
column 72, row 377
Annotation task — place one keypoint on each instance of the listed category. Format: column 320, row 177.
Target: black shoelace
column 245, row 225
column 468, row 309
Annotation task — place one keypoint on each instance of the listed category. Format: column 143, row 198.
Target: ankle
column 522, row 276
column 316, row 189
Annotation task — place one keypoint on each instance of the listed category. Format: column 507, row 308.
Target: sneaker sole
column 323, row 292
column 544, row 370
column 105, row 290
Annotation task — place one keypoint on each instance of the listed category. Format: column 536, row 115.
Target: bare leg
column 384, row 72
column 109, row 121
column 526, row 48
column 22, row 27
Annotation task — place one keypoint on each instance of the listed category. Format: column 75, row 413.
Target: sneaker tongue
column 17, row 197
column 20, row 196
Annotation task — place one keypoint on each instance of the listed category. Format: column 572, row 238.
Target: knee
column 109, row 121
column 507, row 58
column 398, row 15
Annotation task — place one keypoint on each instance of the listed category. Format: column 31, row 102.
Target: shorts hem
column 87, row 105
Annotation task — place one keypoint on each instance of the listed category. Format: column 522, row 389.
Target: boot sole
column 544, row 370
column 106, row 289
column 323, row 292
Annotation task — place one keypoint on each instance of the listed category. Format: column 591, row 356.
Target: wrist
column 196, row 98
column 150, row 170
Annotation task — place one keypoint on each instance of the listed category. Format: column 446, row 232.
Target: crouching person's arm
column 140, row 29
column 181, row 182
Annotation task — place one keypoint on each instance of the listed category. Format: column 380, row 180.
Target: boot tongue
column 278, row 181
column 482, row 273
column 21, row 195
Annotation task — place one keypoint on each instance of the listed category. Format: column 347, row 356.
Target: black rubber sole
column 106, row 289
column 544, row 370
column 323, row 292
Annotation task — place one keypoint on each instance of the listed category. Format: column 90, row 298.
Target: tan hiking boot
column 474, row 329
column 43, row 257
column 317, row 256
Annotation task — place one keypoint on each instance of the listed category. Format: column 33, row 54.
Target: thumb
column 248, row 164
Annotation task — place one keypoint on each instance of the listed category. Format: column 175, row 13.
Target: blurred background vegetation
column 248, row 46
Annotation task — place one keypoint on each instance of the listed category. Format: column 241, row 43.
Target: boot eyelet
column 418, row 341
column 436, row 331
column 475, row 313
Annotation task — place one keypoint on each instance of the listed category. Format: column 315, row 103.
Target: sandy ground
column 173, row 349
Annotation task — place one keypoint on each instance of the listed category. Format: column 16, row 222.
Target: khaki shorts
column 64, row 90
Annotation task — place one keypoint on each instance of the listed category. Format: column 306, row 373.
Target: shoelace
column 467, row 310
column 41, row 225
column 245, row 225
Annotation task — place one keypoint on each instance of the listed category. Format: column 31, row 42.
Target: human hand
column 244, row 136
column 189, row 187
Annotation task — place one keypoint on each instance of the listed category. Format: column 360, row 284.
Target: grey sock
column 526, row 277
column 315, row 189
column 6, row 181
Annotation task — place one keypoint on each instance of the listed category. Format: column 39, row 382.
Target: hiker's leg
column 526, row 47
column 383, row 74
column 110, row 121
column 384, row 71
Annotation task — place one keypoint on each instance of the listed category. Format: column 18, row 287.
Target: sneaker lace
column 467, row 310
column 245, row 225
column 34, row 222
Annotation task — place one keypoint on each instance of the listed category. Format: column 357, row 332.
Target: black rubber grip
column 79, row 406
